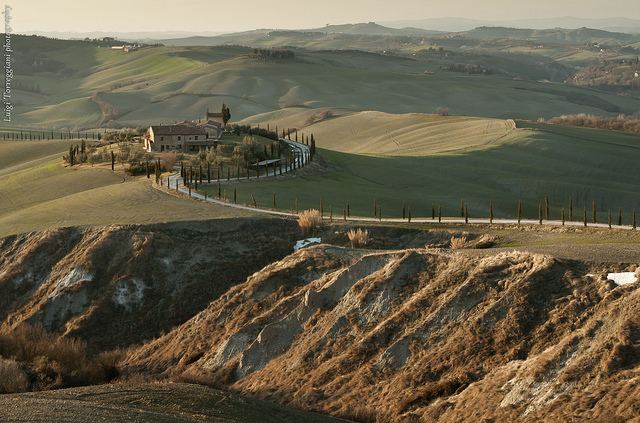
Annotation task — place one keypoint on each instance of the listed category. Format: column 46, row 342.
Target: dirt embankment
column 119, row 285
column 417, row 335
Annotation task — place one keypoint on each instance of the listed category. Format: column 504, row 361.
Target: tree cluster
column 619, row 123
column 273, row 54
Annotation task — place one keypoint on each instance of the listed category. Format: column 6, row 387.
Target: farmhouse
column 183, row 138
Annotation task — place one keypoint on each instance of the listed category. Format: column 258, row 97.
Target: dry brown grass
column 309, row 221
column 458, row 243
column 58, row 362
column 358, row 237
column 12, row 377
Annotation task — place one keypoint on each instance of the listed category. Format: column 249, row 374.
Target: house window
column 162, row 148
column 161, row 138
column 179, row 138
column 196, row 138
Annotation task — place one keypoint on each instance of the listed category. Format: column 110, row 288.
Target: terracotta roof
column 177, row 130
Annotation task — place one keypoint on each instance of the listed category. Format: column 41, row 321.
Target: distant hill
column 454, row 24
column 371, row 28
column 300, row 38
column 557, row 35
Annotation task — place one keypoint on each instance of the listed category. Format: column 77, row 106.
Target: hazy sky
column 235, row 15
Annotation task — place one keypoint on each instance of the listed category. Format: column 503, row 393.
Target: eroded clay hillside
column 118, row 285
column 417, row 335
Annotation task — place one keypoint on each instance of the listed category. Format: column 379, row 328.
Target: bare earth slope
column 118, row 285
column 418, row 335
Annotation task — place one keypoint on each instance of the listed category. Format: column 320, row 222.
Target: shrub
column 309, row 221
column 442, row 111
column 12, row 377
column 358, row 238
column 168, row 160
column 458, row 243
column 57, row 361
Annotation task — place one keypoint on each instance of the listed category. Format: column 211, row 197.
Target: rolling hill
column 39, row 193
column 423, row 161
column 76, row 84
column 555, row 36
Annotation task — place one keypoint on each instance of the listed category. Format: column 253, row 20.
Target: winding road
column 444, row 221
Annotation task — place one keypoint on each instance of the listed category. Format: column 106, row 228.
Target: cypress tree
column 562, row 215
column 609, row 218
column 330, row 213
column 344, row 213
column 375, row 208
column 404, row 212
column 519, row 211
column 585, row 216
column 491, row 212
column 466, row 215
column 312, row 149
column 540, row 212
column 380, row 213
column 593, row 212
column 113, row 161
column 462, row 208
column 546, row 207
column 571, row 209
column 634, row 219
column 255, row 203
column 439, row 214
column 619, row 217
column 235, row 195
column 409, row 216
column 274, row 200
column 433, row 212
column 348, row 210
column 71, row 156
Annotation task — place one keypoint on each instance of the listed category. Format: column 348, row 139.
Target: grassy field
column 384, row 134
column 18, row 153
column 38, row 192
column 165, row 84
column 531, row 162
